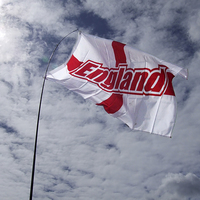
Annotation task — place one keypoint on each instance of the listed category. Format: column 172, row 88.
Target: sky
column 83, row 153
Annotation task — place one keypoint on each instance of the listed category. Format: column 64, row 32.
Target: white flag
column 131, row 85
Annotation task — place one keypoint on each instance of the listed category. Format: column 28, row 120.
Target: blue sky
column 83, row 153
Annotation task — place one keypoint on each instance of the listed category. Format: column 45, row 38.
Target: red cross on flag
column 131, row 85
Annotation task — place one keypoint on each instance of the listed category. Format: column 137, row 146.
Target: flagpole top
column 79, row 31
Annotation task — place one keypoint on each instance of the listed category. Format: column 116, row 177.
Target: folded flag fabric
column 131, row 85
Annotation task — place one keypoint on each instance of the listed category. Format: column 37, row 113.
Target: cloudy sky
column 83, row 153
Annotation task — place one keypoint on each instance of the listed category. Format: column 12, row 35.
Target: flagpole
column 38, row 117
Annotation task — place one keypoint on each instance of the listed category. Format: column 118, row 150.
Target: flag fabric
column 131, row 85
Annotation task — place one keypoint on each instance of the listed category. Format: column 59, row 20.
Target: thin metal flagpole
column 38, row 117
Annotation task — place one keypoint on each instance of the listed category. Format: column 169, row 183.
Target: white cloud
column 178, row 186
column 194, row 25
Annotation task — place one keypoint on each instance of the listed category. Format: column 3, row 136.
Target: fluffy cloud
column 178, row 186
